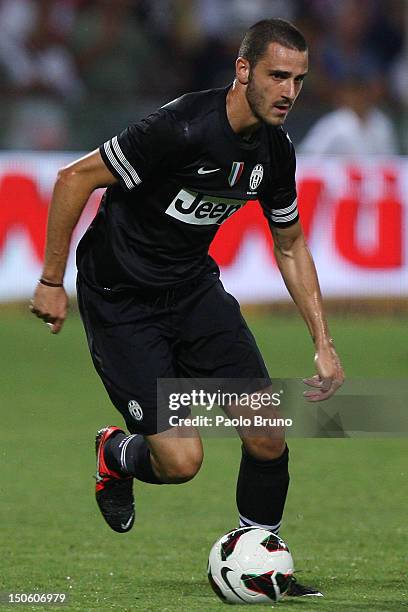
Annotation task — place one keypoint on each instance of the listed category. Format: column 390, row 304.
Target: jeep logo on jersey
column 198, row 209
column 135, row 410
column 256, row 177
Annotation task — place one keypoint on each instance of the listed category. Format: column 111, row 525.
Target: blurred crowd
column 75, row 72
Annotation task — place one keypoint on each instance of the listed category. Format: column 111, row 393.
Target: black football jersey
column 182, row 172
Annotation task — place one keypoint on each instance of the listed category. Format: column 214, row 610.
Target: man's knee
column 265, row 449
column 176, row 455
column 180, row 468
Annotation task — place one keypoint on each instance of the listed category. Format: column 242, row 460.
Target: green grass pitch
column 345, row 519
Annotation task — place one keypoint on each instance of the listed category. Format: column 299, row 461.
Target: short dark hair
column 267, row 31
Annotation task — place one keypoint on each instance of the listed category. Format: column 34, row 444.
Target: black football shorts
column 192, row 332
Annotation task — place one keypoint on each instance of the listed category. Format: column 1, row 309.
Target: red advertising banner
column 354, row 214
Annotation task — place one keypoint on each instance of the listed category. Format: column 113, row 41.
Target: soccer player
column 149, row 294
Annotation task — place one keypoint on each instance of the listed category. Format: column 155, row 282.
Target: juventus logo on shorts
column 135, row 410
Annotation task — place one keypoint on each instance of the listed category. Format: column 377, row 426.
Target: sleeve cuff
column 117, row 163
column 284, row 223
column 283, row 216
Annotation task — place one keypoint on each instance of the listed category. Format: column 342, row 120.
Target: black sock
column 261, row 490
column 130, row 455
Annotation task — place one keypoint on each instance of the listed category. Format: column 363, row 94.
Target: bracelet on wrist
column 48, row 284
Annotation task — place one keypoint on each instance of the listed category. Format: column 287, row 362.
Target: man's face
column 275, row 83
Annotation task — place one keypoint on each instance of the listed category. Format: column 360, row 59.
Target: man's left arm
column 298, row 271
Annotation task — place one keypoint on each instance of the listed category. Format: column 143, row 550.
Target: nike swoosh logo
column 126, row 525
column 224, row 574
column 202, row 170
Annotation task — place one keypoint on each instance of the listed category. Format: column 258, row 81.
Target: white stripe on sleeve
column 285, row 219
column 284, row 215
column 122, row 159
column 287, row 210
column 118, row 167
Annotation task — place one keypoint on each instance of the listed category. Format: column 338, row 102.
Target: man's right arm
column 73, row 187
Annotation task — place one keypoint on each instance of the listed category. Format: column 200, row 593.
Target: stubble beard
column 256, row 102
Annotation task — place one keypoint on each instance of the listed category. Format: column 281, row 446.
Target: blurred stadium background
column 74, row 73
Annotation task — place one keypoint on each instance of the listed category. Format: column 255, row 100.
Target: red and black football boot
column 114, row 492
column 299, row 590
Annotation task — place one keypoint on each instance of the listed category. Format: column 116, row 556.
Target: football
column 250, row 565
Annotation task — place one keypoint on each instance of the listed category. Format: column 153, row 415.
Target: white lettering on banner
column 353, row 215
column 198, row 209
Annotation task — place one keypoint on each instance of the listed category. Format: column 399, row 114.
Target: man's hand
column 50, row 304
column 330, row 374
